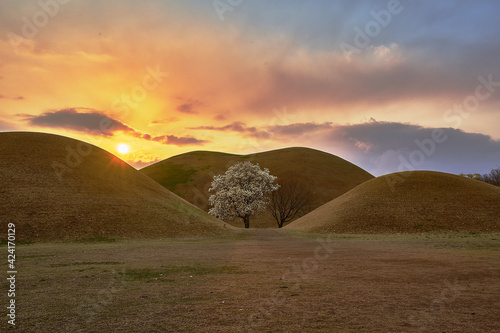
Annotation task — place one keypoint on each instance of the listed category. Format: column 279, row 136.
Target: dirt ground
column 262, row 281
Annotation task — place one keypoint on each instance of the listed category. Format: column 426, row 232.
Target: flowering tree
column 241, row 192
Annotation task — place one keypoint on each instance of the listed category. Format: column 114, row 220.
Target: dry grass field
column 325, row 175
column 103, row 248
column 263, row 281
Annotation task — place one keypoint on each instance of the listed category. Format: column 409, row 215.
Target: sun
column 123, row 148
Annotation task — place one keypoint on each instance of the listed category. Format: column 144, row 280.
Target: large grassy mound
column 325, row 175
column 409, row 202
column 56, row 188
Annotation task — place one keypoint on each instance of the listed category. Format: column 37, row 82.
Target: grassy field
column 262, row 281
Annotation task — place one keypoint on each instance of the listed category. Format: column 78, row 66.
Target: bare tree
column 492, row 178
column 291, row 200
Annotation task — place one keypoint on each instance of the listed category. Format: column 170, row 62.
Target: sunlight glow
column 123, row 148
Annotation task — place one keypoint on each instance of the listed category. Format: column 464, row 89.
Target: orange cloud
column 97, row 123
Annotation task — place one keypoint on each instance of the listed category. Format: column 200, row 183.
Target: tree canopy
column 242, row 191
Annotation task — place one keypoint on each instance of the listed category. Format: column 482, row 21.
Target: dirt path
column 264, row 281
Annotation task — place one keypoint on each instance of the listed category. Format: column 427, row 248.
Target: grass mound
column 58, row 189
column 409, row 202
column 325, row 175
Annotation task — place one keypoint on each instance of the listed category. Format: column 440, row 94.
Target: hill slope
column 56, row 188
column 327, row 176
column 420, row 201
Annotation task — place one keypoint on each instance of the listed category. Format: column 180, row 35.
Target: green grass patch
column 202, row 153
column 439, row 239
column 87, row 263
column 173, row 174
column 163, row 272
column 36, row 256
column 310, row 235
column 96, row 239
column 18, row 242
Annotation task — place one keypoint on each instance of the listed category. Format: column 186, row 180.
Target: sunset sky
column 388, row 85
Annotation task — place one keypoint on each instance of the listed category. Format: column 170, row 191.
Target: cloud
column 220, row 117
column 428, row 58
column 97, row 123
column 91, row 121
column 188, row 107
column 139, row 159
column 386, row 147
column 299, row 129
column 378, row 76
column 18, row 98
column 5, row 126
column 276, row 132
column 237, row 126
column 141, row 164
column 246, row 74
column 178, row 141
column 165, row 121
column 268, row 132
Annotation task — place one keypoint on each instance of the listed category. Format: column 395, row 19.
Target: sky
column 388, row 85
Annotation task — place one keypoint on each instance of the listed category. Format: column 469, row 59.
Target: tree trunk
column 246, row 220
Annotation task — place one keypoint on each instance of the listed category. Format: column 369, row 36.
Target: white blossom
column 241, row 192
